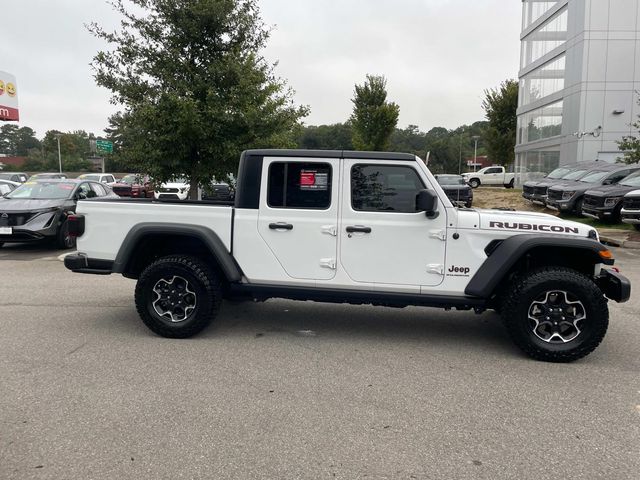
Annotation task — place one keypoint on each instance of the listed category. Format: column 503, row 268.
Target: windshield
column 130, row 179
column 631, row 181
column 178, row 180
column 450, row 180
column 95, row 178
column 43, row 191
column 559, row 172
column 594, row 177
column 575, row 175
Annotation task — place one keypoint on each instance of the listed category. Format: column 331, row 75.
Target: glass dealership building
column 579, row 72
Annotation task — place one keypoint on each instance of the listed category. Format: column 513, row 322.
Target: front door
column 383, row 239
column 298, row 217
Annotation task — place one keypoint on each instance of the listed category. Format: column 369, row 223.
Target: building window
column 536, row 164
column 532, row 10
column 543, row 81
column 549, row 36
column 545, row 122
column 384, row 188
column 299, row 185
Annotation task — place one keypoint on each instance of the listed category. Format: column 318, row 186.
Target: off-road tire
column 63, row 240
column 474, row 183
column 206, row 286
column 526, row 288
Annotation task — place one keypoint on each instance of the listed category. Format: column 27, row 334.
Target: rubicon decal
column 533, row 227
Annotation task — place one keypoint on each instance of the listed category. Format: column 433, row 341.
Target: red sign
column 307, row 178
column 8, row 97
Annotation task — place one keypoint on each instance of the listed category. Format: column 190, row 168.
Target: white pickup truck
column 492, row 176
column 352, row 227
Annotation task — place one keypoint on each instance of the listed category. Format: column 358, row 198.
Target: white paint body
column 405, row 252
column 631, row 216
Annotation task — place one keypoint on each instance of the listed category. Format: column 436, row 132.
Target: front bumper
column 560, row 205
column 630, row 216
column 41, row 227
column 80, row 263
column 599, row 213
column 614, row 286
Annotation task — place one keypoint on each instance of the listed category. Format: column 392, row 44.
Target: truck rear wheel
column 178, row 296
column 555, row 314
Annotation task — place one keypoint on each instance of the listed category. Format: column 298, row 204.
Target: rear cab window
column 300, row 185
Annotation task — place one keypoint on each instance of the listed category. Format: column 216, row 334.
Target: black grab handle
column 358, row 229
column 280, row 226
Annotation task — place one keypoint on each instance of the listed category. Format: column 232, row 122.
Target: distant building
column 480, row 161
column 13, row 161
column 579, row 69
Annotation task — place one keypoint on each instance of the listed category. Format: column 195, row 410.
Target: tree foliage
column 17, row 141
column 195, row 88
column 374, row 119
column 630, row 145
column 500, row 105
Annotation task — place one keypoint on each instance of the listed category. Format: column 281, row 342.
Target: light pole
column 475, row 151
column 460, row 154
column 58, row 135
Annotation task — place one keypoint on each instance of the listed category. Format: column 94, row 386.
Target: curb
column 620, row 243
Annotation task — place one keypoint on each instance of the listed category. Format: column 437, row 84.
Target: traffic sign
column 104, row 146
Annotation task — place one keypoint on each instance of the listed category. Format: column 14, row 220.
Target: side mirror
column 427, row 201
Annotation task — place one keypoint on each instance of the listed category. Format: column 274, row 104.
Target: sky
column 438, row 57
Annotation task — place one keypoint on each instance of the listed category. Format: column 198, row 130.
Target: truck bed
column 114, row 218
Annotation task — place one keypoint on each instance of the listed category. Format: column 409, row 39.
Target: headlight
column 568, row 195
column 611, row 201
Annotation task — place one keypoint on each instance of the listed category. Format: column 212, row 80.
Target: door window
column 494, row 170
column 384, row 188
column 304, row 185
column 84, row 191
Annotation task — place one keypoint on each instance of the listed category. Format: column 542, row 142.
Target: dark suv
column 605, row 203
column 569, row 197
column 536, row 191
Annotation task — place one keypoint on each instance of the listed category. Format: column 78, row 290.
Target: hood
column 123, row 185
column 455, row 187
column 175, row 185
column 572, row 185
column 610, row 191
column 530, row 222
column 26, row 205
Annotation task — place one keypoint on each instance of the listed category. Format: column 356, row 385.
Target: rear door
column 298, row 214
column 383, row 239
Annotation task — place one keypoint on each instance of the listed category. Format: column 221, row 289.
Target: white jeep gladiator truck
column 492, row 176
column 352, row 227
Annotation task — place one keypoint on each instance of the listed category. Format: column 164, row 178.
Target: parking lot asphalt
column 298, row 390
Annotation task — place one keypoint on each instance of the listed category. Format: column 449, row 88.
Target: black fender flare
column 210, row 239
column 504, row 257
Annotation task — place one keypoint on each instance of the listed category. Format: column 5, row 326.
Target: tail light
column 76, row 225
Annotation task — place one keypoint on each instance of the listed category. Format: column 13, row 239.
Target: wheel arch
column 524, row 252
column 147, row 242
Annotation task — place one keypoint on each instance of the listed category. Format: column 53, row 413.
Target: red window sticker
column 307, row 178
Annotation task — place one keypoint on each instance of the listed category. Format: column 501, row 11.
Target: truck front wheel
column 178, row 296
column 474, row 183
column 555, row 314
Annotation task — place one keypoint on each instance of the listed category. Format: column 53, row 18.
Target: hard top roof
column 330, row 154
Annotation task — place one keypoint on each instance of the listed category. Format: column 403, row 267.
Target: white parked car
column 106, row 178
column 178, row 189
column 7, row 186
column 493, row 176
column 631, row 209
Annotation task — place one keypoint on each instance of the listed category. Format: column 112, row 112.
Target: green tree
column 17, row 141
column 194, row 85
column 630, row 145
column 500, row 105
column 326, row 137
column 374, row 119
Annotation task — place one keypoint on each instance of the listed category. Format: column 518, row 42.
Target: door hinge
column 328, row 263
column 435, row 269
column 439, row 234
column 330, row 230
